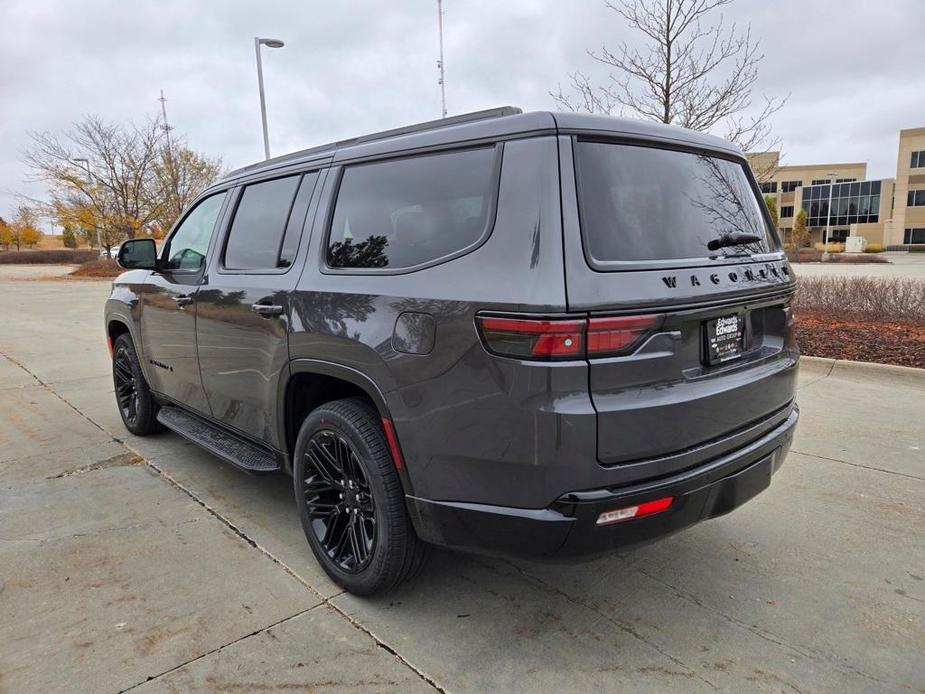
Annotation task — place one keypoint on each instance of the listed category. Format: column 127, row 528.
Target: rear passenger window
column 256, row 234
column 407, row 212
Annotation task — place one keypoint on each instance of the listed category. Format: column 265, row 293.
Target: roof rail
column 488, row 113
column 499, row 112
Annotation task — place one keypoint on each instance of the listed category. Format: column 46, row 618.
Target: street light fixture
column 86, row 165
column 269, row 43
column 828, row 218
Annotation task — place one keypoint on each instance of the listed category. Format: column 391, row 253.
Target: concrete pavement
column 149, row 564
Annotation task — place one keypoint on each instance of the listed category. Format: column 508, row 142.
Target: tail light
column 533, row 339
column 567, row 338
column 608, row 336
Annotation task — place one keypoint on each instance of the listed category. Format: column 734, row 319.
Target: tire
column 351, row 501
column 133, row 397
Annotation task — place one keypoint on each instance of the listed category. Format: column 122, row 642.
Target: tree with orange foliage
column 23, row 230
column 6, row 234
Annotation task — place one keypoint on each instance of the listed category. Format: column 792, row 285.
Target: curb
column 906, row 373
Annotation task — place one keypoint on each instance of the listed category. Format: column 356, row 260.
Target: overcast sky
column 853, row 69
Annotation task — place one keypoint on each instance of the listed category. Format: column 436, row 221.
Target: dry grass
column 55, row 257
column 102, row 268
column 881, row 299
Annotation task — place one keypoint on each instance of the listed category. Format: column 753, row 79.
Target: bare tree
column 111, row 181
column 689, row 73
column 102, row 173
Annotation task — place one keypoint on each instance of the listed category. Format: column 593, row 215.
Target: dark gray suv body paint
column 500, row 454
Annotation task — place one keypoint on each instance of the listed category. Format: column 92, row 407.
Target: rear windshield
column 648, row 204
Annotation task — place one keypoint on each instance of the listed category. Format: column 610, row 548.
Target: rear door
column 688, row 346
column 168, row 310
column 243, row 305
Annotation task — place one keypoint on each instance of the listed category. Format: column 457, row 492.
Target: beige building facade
column 889, row 211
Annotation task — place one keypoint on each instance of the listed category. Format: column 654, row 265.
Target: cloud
column 355, row 67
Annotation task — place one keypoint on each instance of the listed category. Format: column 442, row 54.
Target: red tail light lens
column 570, row 338
column 533, row 339
column 646, row 508
column 618, row 334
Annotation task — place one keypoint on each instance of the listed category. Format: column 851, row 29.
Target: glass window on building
column 845, row 180
column 790, row 186
column 786, row 211
column 918, row 159
column 769, row 187
column 820, row 181
column 855, row 202
column 914, row 235
column 916, row 198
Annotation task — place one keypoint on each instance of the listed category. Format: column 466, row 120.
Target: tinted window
column 406, row 212
column 189, row 243
column 643, row 203
column 256, row 233
column 297, row 220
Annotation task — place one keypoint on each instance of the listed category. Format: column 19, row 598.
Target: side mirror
column 138, row 254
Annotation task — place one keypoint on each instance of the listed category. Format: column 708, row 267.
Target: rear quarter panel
column 456, row 409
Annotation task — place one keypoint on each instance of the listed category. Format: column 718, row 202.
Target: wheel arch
column 313, row 382
column 116, row 326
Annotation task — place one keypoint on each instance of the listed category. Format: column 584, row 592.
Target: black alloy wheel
column 351, row 500
column 126, row 385
column 340, row 504
column 136, row 404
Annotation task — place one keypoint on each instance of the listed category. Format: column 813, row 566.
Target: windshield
column 647, row 204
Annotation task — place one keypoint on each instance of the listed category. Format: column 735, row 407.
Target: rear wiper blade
column 733, row 238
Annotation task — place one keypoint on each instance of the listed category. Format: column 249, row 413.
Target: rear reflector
column 392, row 440
column 564, row 338
column 646, row 508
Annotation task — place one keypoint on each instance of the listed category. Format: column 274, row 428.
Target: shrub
column 808, row 255
column 55, row 257
column 889, row 299
column 873, row 248
column 69, row 238
column 833, row 247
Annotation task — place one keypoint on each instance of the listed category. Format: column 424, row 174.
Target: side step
column 225, row 445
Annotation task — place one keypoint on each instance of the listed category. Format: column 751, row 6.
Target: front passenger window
column 188, row 245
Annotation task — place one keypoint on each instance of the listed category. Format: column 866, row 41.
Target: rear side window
column 646, row 204
column 407, row 212
column 256, row 234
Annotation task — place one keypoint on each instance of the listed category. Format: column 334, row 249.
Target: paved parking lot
column 911, row 265
column 147, row 564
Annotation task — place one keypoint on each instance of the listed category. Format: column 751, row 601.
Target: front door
column 243, row 305
column 168, row 310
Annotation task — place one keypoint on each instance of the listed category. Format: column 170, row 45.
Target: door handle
column 267, row 309
column 182, row 300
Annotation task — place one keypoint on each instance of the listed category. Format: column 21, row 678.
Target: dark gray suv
column 531, row 333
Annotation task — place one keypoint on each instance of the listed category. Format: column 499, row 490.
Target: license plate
column 725, row 338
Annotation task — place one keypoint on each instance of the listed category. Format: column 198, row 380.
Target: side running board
column 225, row 445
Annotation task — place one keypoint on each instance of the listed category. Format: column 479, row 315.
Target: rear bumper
column 569, row 527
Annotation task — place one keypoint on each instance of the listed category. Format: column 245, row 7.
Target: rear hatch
column 709, row 364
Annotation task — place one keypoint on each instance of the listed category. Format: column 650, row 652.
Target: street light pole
column 828, row 219
column 269, row 43
column 440, row 64
column 86, row 165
